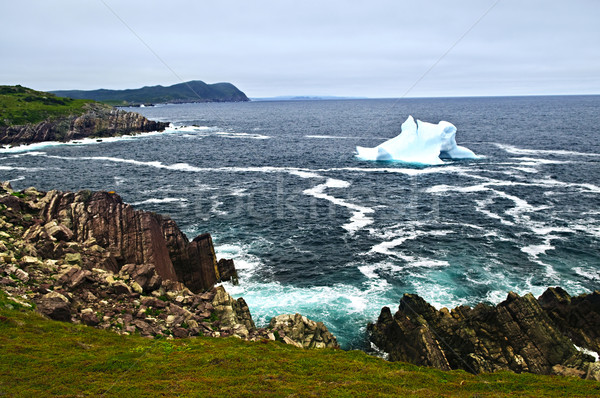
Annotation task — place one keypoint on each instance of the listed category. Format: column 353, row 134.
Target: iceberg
column 420, row 142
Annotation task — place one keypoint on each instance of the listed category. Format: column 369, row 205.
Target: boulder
column 55, row 306
column 302, row 332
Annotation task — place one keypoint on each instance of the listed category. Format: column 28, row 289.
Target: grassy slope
column 21, row 105
column 45, row 358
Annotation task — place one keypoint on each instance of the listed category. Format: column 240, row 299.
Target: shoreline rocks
column 98, row 121
column 89, row 258
column 521, row 334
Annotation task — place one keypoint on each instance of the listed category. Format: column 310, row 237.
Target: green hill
column 192, row 91
column 39, row 358
column 21, row 105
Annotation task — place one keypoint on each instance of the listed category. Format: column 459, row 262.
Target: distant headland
column 192, row 91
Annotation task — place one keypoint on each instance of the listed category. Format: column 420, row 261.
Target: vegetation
column 20, row 105
column 193, row 91
column 47, row 358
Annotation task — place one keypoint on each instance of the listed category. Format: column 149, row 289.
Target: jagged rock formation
column 302, row 332
column 112, row 235
column 520, row 334
column 99, row 120
column 90, row 258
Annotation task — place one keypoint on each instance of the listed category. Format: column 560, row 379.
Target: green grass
column 45, row 358
column 21, row 105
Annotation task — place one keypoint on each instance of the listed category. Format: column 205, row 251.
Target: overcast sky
column 371, row 48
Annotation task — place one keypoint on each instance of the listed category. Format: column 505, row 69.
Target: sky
column 375, row 48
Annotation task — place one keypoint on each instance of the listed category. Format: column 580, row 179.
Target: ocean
column 314, row 230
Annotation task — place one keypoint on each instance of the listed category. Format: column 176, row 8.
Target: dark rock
column 122, row 235
column 89, row 318
column 55, row 306
column 153, row 302
column 121, row 288
column 180, row 333
column 577, row 317
column 516, row 335
column 144, row 274
column 227, row 271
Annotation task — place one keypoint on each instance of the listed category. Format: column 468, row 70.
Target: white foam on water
column 182, row 201
column 19, row 178
column 336, row 137
column 214, row 209
column 536, row 250
column 400, row 170
column 304, row 174
column 239, row 192
column 245, row 263
column 359, row 218
column 523, row 151
column 591, row 274
column 588, row 352
column 228, row 134
column 19, row 168
column 384, row 247
column 84, row 141
column 527, row 169
column 527, row 161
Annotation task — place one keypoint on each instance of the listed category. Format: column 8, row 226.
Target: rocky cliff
column 98, row 120
column 521, row 334
column 88, row 257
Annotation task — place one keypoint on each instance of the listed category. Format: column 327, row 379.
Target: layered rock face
column 114, row 234
column 521, row 334
column 99, row 120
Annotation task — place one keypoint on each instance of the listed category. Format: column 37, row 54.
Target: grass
column 20, row 105
column 39, row 357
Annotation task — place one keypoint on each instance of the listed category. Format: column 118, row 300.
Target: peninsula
column 192, row 91
column 28, row 116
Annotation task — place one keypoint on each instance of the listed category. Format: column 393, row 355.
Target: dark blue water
column 314, row 230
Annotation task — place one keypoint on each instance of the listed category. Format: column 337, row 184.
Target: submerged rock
column 521, row 334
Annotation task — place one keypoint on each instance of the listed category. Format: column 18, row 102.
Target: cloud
column 379, row 49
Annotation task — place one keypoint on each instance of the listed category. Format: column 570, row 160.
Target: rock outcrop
column 98, row 230
column 521, row 334
column 302, row 332
column 98, row 121
column 90, row 258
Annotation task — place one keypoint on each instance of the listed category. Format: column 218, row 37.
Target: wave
column 160, row 200
column 359, row 218
column 524, row 151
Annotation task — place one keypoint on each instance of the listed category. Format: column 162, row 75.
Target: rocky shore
column 89, row 258
column 553, row 334
column 98, row 120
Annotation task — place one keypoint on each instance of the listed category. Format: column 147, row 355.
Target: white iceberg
column 420, row 142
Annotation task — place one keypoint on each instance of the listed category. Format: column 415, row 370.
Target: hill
column 21, row 105
column 192, row 91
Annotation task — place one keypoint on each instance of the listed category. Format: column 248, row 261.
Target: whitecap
column 523, row 151
column 160, row 200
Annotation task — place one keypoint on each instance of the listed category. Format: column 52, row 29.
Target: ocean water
column 314, row 230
